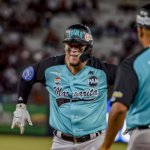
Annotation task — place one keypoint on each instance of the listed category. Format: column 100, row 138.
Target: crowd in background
column 21, row 19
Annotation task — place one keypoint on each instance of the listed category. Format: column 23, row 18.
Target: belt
column 77, row 140
column 139, row 128
column 143, row 127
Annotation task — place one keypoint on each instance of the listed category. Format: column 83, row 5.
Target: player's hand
column 21, row 115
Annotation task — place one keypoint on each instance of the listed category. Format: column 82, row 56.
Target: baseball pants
column 139, row 139
column 94, row 144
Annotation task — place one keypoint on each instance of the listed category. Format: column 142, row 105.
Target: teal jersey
column 132, row 88
column 77, row 102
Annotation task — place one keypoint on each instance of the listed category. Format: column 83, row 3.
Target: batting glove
column 21, row 115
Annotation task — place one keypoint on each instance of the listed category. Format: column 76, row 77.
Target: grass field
column 21, row 142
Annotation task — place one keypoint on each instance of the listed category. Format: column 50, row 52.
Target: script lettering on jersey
column 90, row 92
column 59, row 92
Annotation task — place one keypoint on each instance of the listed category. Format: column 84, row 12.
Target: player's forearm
column 115, row 122
column 24, row 89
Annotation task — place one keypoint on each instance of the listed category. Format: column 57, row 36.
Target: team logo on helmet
column 28, row 74
column 143, row 20
column 75, row 32
column 87, row 37
column 93, row 81
column 57, row 80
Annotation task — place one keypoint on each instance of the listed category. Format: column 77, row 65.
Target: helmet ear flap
column 87, row 54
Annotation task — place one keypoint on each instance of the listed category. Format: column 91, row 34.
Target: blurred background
column 31, row 30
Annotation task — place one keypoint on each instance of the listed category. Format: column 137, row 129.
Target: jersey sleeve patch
column 28, row 74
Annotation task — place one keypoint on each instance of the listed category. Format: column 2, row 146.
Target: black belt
column 139, row 127
column 71, row 138
column 143, row 127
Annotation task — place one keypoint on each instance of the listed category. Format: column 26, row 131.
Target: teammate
column 131, row 97
column 77, row 84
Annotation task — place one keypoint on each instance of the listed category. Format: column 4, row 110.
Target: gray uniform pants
column 94, row 144
column 139, row 139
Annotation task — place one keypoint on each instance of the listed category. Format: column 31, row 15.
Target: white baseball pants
column 94, row 144
column 139, row 139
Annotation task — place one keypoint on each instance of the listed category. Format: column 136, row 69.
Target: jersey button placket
column 73, row 107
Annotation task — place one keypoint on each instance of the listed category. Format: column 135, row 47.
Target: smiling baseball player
column 77, row 84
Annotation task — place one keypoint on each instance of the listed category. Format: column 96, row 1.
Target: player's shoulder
column 54, row 60
column 131, row 59
column 95, row 63
column 99, row 64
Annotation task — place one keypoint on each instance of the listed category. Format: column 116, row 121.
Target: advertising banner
column 39, row 117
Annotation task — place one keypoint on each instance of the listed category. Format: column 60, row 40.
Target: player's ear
column 140, row 34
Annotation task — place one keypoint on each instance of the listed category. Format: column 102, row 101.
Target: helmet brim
column 75, row 40
column 142, row 26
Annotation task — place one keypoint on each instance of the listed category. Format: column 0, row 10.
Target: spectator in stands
column 117, row 52
column 46, row 19
column 127, row 5
column 10, row 79
column 53, row 6
column 121, row 26
column 111, row 29
column 52, row 39
column 74, row 6
column 130, row 39
column 95, row 5
column 63, row 6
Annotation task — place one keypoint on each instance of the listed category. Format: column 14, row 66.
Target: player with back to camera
column 78, row 85
column 131, row 97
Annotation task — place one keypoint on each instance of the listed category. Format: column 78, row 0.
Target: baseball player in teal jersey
column 77, row 84
column 131, row 97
